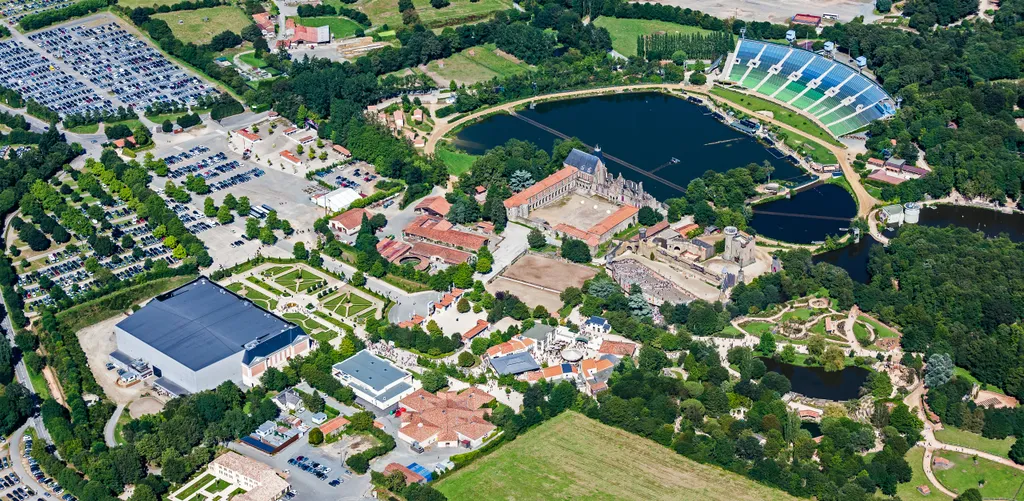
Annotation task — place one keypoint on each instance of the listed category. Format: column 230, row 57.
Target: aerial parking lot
column 119, row 63
column 14, row 10
column 38, row 78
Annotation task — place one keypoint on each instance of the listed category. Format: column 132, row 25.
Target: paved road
column 111, row 427
column 20, row 464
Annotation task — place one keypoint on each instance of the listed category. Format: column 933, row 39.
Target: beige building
column 260, row 481
column 739, row 246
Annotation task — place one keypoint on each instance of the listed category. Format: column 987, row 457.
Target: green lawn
column 258, row 298
column 955, row 436
column 38, row 383
column 574, row 457
column 350, row 304
column 861, row 333
column 624, row 32
column 908, row 491
column 85, row 129
column 192, row 489
column 880, row 330
column 218, row 486
column 200, row 26
column 298, row 280
column 816, row 151
column 251, row 59
column 1002, row 482
column 962, row 373
column 457, row 161
column 799, row 314
column 386, row 11
column 341, row 27
column 276, row 270
column 477, row 64
column 782, row 114
column 730, row 331
column 758, row 328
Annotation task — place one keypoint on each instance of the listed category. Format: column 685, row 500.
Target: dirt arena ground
column 144, row 406
column 529, row 294
column 97, row 342
column 549, row 273
column 779, row 11
column 575, row 210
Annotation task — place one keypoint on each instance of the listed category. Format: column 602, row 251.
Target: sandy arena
column 549, row 273
column 575, row 210
column 531, row 295
column 780, row 11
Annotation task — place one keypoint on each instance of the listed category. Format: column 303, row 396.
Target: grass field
column 758, row 328
column 200, row 26
column 574, row 457
column 625, row 31
column 782, row 114
column 908, row 491
column 341, row 27
column 799, row 314
column 955, row 436
column 38, row 383
column 861, row 333
column 251, row 59
column 298, row 280
column 457, row 162
column 348, row 304
column 132, row 4
column 880, row 330
column 386, row 11
column 85, row 129
column 961, row 372
column 309, row 325
column 192, row 489
column 111, row 305
column 1001, row 482
column 476, row 64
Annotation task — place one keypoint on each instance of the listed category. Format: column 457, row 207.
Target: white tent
column 336, row 200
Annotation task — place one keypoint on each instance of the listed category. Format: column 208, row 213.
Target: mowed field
column 200, row 26
column 574, row 457
column 477, row 64
column 341, row 27
column 386, row 11
column 625, row 31
column 131, row 4
column 549, row 273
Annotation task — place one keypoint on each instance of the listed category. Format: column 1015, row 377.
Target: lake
column 991, row 222
column 853, row 258
column 644, row 129
column 806, row 217
column 815, row 382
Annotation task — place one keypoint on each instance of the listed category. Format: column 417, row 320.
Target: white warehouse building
column 201, row 334
column 374, row 379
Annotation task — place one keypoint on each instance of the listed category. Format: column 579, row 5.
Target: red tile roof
column 411, row 477
column 481, row 325
column 392, row 249
column 617, row 348
column 334, row 425
column 439, row 230
column 341, row 149
column 351, row 218
column 248, row 135
column 437, row 205
column 880, row 175
column 524, row 196
column 574, row 232
column 290, row 157
column 446, row 415
column 551, row 372
column 447, row 254
column 609, row 223
column 683, row 230
column 515, row 345
column 262, row 20
column 658, row 228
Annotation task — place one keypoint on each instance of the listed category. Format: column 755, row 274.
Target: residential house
column 350, row 221
column 446, row 419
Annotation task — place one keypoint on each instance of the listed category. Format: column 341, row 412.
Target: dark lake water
column 793, row 220
column 815, row 382
column 644, row 129
column 813, row 427
column 991, row 222
column 853, row 258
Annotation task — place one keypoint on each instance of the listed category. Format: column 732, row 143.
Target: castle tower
column 731, row 250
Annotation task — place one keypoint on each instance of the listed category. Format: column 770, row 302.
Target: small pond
column 815, row 382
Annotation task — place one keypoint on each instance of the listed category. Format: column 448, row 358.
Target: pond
column 815, row 382
column 808, row 216
column 645, row 129
column 813, row 427
column 991, row 222
column 853, row 258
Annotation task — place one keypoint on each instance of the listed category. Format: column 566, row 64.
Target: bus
column 831, row 17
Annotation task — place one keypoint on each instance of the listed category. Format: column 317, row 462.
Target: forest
column 694, row 46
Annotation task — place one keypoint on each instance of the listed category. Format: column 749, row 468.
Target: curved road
column 111, row 427
column 865, row 202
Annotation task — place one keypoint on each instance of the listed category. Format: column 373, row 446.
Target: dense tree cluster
column 694, row 46
column 924, row 14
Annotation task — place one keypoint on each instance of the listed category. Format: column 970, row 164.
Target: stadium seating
column 836, row 94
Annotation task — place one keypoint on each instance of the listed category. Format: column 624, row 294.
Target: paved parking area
column 121, row 64
column 36, row 77
column 14, row 10
column 307, row 486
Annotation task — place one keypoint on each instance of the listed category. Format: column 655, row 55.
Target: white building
column 373, row 379
column 336, row 200
column 260, row 481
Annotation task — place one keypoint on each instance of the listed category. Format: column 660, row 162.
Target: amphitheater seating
column 836, row 94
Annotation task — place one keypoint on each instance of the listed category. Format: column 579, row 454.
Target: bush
column 466, row 359
column 316, row 437
column 698, row 78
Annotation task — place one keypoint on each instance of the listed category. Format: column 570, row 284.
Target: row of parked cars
column 314, row 468
column 119, row 63
column 35, row 77
column 41, row 477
